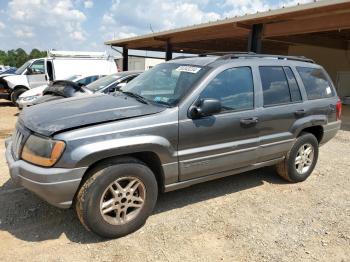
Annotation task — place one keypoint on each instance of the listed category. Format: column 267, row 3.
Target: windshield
column 102, row 82
column 22, row 68
column 165, row 83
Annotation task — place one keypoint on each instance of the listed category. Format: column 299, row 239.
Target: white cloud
column 55, row 18
column 24, row 32
column 288, row 3
column 77, row 35
column 88, row 4
column 2, row 25
column 128, row 18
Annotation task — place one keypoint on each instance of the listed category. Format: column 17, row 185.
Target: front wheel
column 301, row 159
column 117, row 198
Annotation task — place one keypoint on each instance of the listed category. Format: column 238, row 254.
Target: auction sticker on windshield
column 188, row 69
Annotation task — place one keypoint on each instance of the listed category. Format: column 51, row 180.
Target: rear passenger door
column 282, row 106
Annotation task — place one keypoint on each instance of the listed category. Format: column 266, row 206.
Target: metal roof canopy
column 323, row 23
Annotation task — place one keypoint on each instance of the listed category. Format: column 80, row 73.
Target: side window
column 275, row 85
column 233, row 87
column 38, row 67
column 293, row 85
column 316, row 84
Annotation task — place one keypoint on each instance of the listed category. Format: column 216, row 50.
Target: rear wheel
column 16, row 93
column 301, row 159
column 117, row 198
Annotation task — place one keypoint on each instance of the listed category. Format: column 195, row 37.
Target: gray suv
column 183, row 122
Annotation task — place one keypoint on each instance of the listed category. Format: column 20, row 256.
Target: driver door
column 36, row 75
column 224, row 141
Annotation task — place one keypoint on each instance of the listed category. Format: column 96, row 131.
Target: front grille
column 17, row 140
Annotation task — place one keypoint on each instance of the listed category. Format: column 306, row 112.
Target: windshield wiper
column 136, row 96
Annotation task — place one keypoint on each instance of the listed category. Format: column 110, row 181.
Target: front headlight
column 42, row 151
column 30, row 98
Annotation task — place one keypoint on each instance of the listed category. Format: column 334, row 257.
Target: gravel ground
column 254, row 216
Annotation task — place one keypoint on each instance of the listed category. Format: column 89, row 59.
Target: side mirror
column 205, row 107
column 29, row 71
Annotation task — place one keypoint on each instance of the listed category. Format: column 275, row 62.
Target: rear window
column 316, row 83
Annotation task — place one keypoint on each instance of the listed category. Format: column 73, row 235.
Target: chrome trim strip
column 219, row 155
column 277, row 143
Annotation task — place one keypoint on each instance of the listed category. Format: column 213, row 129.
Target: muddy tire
column 300, row 160
column 117, row 197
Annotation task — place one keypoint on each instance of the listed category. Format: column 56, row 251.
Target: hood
column 63, row 88
column 34, row 91
column 2, row 75
column 57, row 116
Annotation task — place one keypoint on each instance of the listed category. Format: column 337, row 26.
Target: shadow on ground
column 6, row 104
column 29, row 218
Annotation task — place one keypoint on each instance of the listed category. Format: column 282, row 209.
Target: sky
column 86, row 24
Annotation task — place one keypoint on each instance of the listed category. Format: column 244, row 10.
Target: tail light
column 338, row 109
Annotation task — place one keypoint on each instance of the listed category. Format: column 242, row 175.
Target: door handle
column 249, row 121
column 300, row 112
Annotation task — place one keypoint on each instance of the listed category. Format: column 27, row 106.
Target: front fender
column 16, row 80
column 88, row 154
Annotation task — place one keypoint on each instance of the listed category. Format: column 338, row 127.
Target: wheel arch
column 316, row 130
column 149, row 158
column 311, row 124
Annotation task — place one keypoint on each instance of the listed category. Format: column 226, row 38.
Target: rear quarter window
column 316, row 83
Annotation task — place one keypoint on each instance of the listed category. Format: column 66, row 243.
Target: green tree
column 19, row 56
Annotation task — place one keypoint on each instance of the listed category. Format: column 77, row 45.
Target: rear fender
column 309, row 121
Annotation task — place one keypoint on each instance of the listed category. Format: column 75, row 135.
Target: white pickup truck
column 58, row 65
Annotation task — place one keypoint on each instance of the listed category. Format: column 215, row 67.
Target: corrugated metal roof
column 267, row 16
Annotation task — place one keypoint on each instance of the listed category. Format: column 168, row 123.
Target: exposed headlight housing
column 29, row 98
column 42, row 151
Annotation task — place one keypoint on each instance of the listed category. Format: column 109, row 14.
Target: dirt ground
column 254, row 216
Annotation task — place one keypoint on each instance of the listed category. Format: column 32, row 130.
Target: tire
column 16, row 93
column 289, row 170
column 96, row 192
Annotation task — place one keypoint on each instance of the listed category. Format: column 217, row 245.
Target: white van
column 58, row 65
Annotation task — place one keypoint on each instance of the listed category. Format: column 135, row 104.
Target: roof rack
column 76, row 54
column 237, row 55
column 226, row 53
column 254, row 55
column 184, row 56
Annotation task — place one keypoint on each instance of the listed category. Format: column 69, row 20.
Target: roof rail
column 184, row 56
column 226, row 53
column 253, row 55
